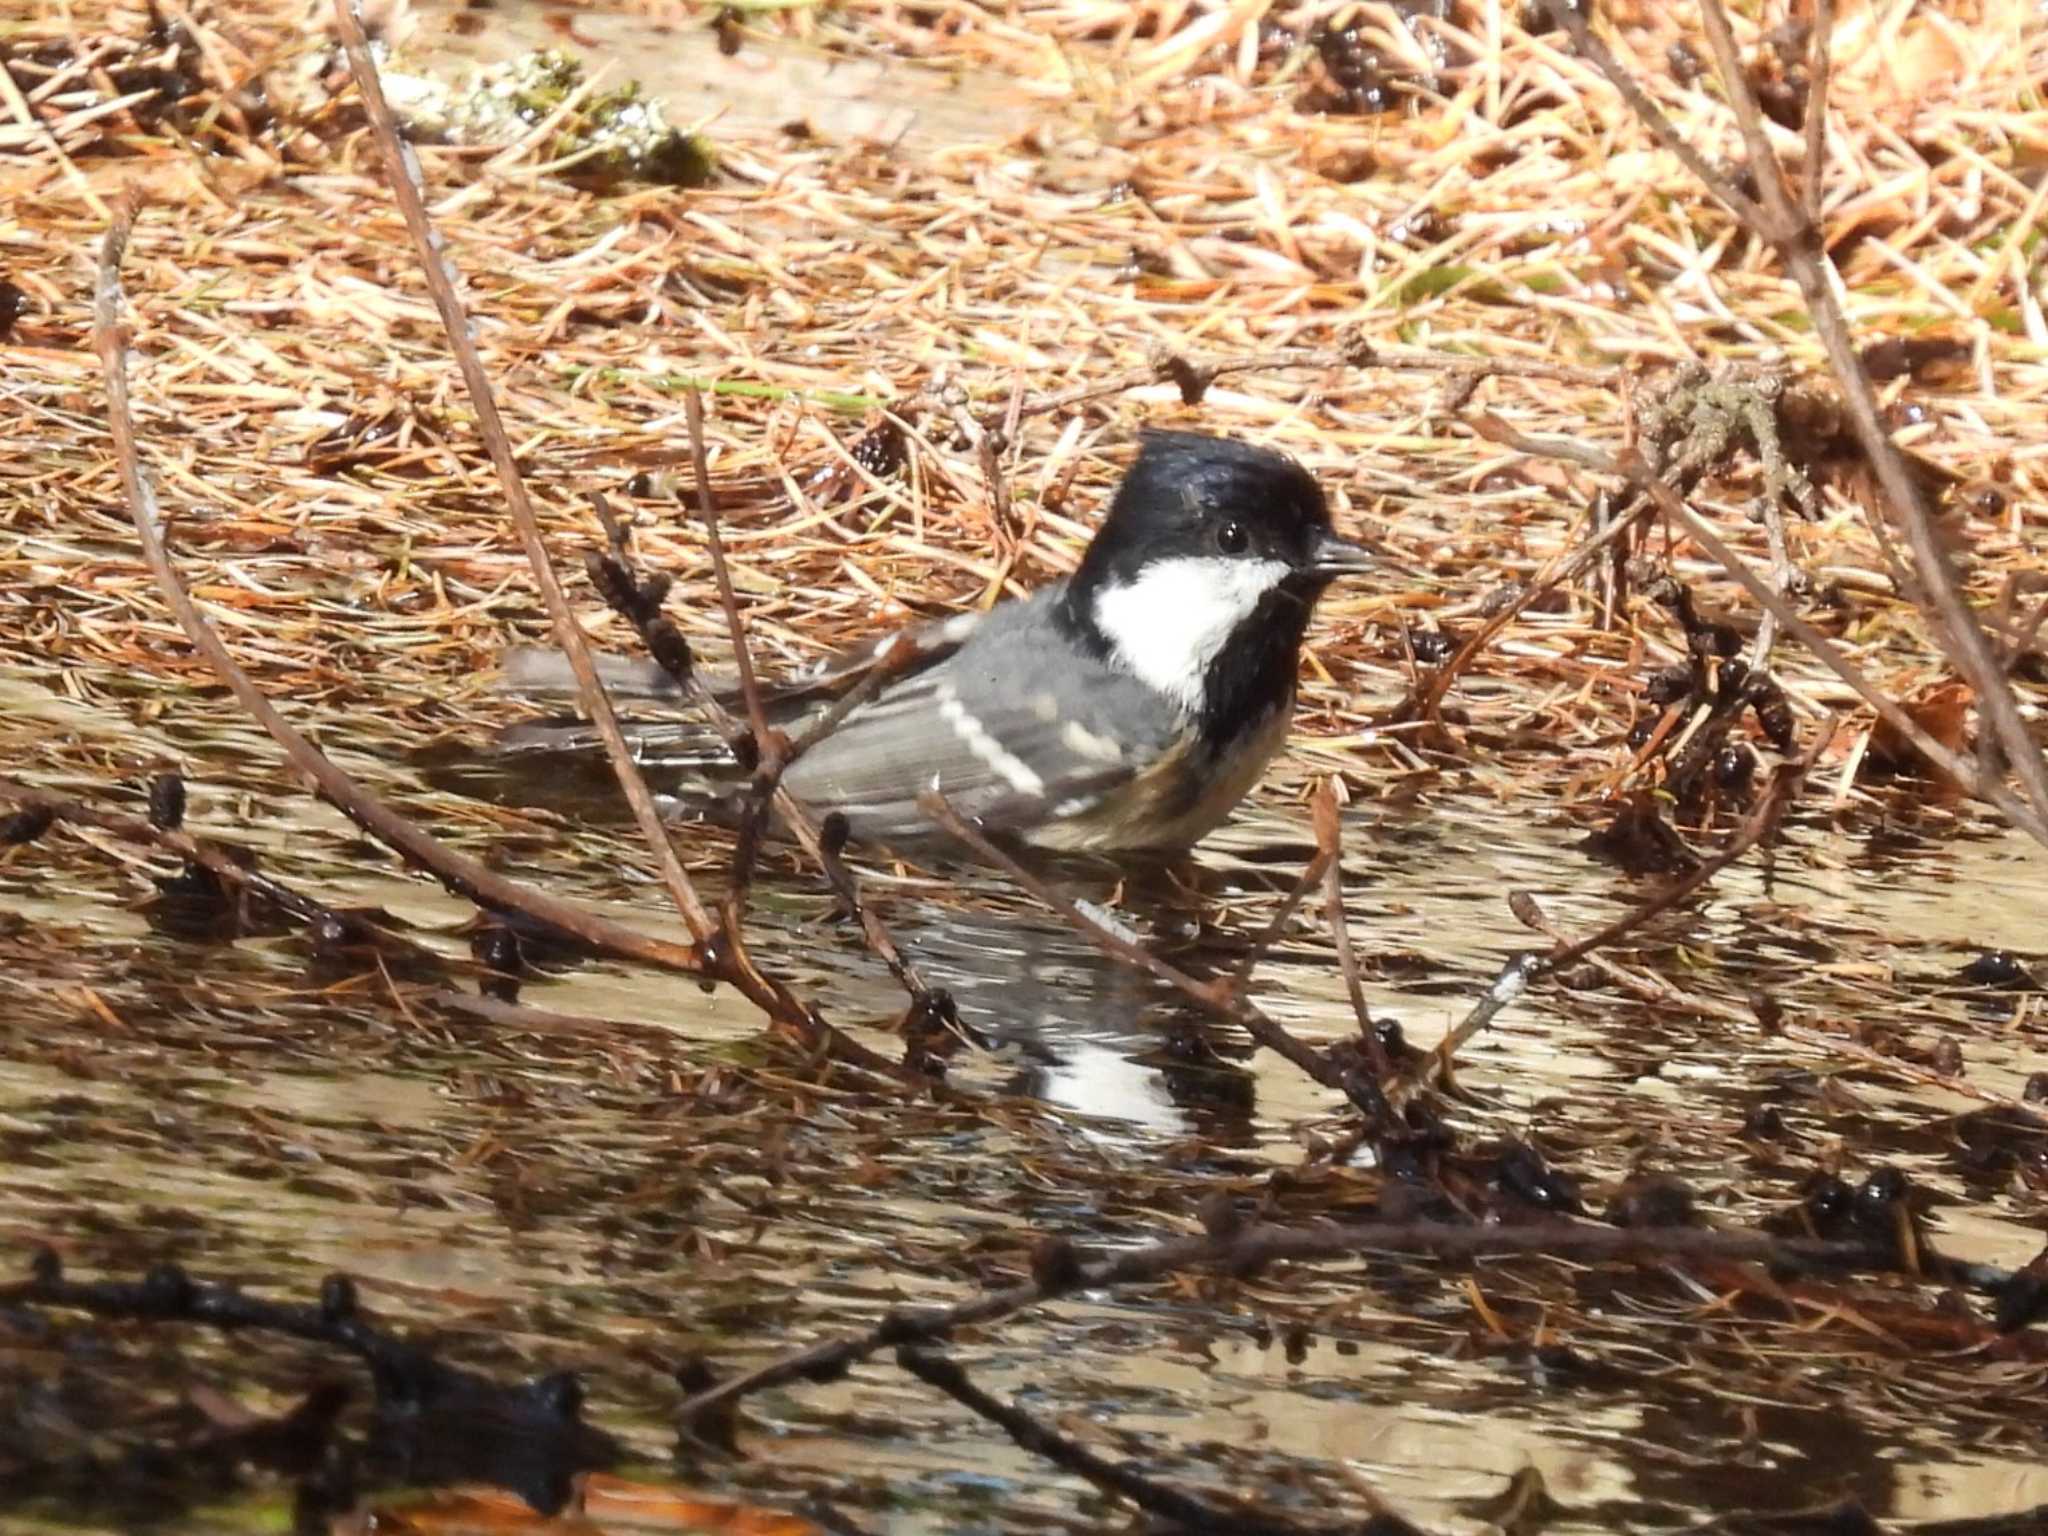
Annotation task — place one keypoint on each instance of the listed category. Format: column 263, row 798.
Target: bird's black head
column 1191, row 496
column 1202, row 577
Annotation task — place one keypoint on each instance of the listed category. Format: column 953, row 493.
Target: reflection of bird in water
column 1099, row 1036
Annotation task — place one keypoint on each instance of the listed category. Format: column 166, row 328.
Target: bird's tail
column 674, row 742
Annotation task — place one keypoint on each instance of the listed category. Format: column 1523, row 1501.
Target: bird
column 1128, row 707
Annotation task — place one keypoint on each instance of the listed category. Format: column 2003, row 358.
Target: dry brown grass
column 1179, row 190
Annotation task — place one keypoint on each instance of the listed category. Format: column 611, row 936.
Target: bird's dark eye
column 1231, row 539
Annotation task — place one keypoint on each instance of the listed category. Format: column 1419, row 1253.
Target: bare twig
column 707, row 509
column 1424, row 700
column 467, row 877
column 1789, row 228
column 1194, row 378
column 209, row 856
column 1965, row 772
column 403, row 173
column 1312, row 875
column 1572, row 18
column 1330, row 850
column 1820, row 65
column 1186, row 1512
column 1523, row 970
column 1059, row 1270
column 775, row 753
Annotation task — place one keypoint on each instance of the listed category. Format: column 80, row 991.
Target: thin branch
column 1967, row 773
column 1787, row 226
column 1185, row 1511
column 465, row 876
column 1572, row 18
column 403, row 173
column 1524, row 970
column 1819, row 68
column 1194, row 378
column 707, row 509
column 1059, row 1270
column 776, row 754
column 1424, row 700
column 1330, row 849
column 209, row 856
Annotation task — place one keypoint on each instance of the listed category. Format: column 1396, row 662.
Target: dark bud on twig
column 1948, row 1057
column 1055, row 1266
column 559, row 1395
column 1652, row 1202
column 2036, row 1091
column 931, row 1030
column 167, row 802
column 13, row 305
column 1876, row 1196
column 746, row 752
column 832, row 835
column 166, row 1291
column 1524, row 1175
column 729, row 30
column 1393, row 1039
column 1734, row 768
column 496, row 948
column 1765, row 1123
column 1826, row 1202
column 824, row 1371
column 1667, row 685
column 2024, row 1297
column 612, row 581
column 671, row 652
column 1770, row 1015
column 714, row 954
column 1221, row 1218
column 330, row 933
column 1999, row 969
column 1192, row 382
column 44, row 1267
column 25, row 825
column 716, row 1426
column 337, row 1299
column 1774, row 718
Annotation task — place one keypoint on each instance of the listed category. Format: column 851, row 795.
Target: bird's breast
column 1178, row 800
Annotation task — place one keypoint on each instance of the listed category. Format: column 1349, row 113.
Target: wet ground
column 612, row 1195
column 629, row 1171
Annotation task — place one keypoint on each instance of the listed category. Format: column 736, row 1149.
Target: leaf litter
column 622, row 1173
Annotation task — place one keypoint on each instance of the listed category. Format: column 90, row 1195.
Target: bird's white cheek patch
column 1168, row 625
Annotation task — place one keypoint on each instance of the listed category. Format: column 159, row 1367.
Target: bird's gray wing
column 1007, row 744
column 541, row 671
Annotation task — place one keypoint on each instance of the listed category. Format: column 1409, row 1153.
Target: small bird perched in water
column 1130, row 706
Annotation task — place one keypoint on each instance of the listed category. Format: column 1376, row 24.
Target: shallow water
column 550, row 1203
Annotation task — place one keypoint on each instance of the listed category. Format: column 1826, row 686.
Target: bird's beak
column 1334, row 557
